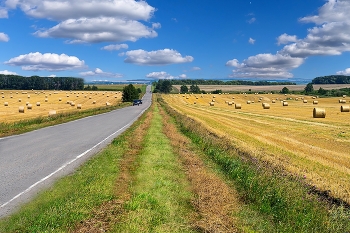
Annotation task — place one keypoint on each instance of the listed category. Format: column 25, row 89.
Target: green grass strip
column 284, row 203
column 72, row 198
column 161, row 197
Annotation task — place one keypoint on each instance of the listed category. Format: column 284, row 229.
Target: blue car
column 137, row 102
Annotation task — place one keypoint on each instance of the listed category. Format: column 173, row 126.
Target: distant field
column 245, row 88
column 287, row 136
column 51, row 100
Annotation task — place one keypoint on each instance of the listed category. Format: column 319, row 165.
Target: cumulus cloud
column 159, row 57
column 62, row 10
column 100, row 73
column 6, row 72
column 91, row 21
column 115, row 47
column 48, row 61
column 285, row 39
column 3, row 13
column 195, row 68
column 330, row 36
column 96, row 30
column 164, row 75
column 4, row 37
column 344, row 72
column 265, row 65
column 251, row 41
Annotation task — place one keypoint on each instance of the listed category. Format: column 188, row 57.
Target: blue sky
column 119, row 40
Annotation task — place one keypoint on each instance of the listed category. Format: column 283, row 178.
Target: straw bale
column 21, row 109
column 319, row 113
column 285, row 103
column 238, row 106
column 345, row 108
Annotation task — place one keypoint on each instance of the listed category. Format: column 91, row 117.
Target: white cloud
column 95, row 30
column 3, row 13
column 164, row 75
column 344, row 72
column 52, row 75
column 159, row 57
column 285, row 39
column 265, row 66
column 115, row 47
column 195, row 68
column 4, row 37
column 100, row 73
column 91, row 21
column 48, row 61
column 330, row 36
column 59, row 10
column 252, row 20
column 6, row 72
column 251, row 41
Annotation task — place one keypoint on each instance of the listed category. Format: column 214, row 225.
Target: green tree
column 322, row 91
column 195, row 89
column 130, row 93
column 183, row 89
column 165, row 86
column 285, row 90
column 309, row 88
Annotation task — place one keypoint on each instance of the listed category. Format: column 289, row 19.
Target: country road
column 32, row 161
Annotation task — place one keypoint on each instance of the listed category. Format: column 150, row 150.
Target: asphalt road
column 32, row 161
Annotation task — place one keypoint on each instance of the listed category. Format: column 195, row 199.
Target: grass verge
column 280, row 202
column 160, row 200
column 72, row 199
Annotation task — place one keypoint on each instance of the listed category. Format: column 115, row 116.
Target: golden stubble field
column 42, row 102
column 317, row 149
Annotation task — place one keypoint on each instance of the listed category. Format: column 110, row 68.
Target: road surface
column 32, row 161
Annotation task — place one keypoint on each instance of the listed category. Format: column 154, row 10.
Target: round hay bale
column 29, row 106
column 213, row 100
column 273, row 101
column 319, row 113
column 94, row 102
column 229, row 103
column 19, row 100
column 304, row 101
column 266, row 106
column 195, row 102
column 27, row 103
column 238, row 106
column 52, row 112
column 212, row 103
column 108, row 104
column 46, row 100
column 37, row 103
column 345, row 108
column 11, row 96
column 248, row 102
column 6, row 104
column 344, row 96
column 315, row 102
column 285, row 103
column 79, row 106
column 72, row 103
column 28, row 96
column 21, row 109
column 60, row 99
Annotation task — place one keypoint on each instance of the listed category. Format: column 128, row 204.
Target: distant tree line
column 332, row 79
column 220, row 82
column 17, row 82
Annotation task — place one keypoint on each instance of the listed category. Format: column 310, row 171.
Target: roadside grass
column 7, row 129
column 274, row 201
column 161, row 197
column 72, row 198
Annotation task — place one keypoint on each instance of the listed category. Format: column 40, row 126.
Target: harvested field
column 59, row 101
column 287, row 136
column 246, row 88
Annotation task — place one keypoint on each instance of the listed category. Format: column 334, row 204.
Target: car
column 136, row 102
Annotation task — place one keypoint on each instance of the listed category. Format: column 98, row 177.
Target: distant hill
column 332, row 79
column 231, row 82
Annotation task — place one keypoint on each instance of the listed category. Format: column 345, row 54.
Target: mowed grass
column 161, row 198
column 286, row 136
